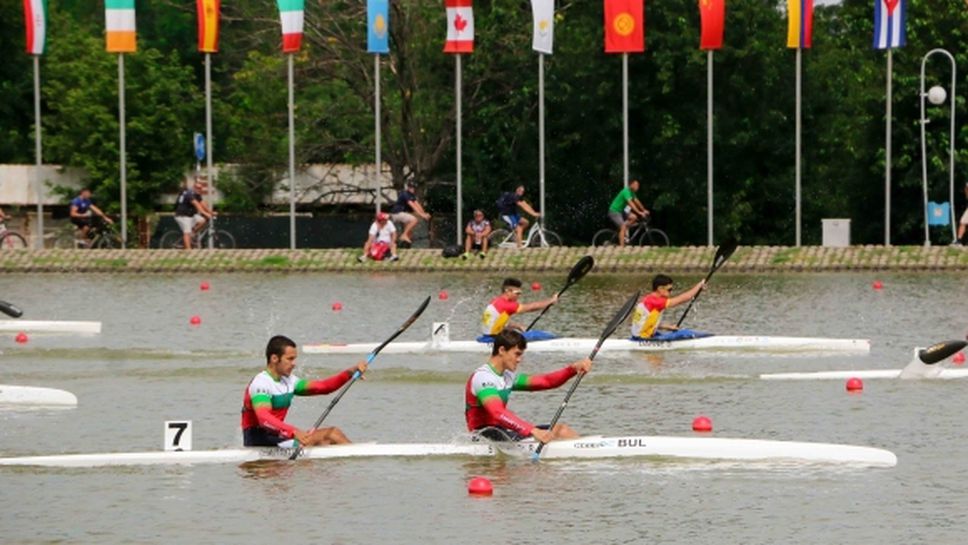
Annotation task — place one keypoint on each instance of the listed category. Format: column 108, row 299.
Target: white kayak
column 923, row 365
column 34, row 396
column 704, row 448
column 49, row 326
column 440, row 342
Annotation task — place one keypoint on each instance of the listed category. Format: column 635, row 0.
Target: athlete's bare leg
column 327, row 436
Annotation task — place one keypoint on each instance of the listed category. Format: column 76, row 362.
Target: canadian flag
column 460, row 26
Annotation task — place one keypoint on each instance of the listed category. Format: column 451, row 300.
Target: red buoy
column 702, row 424
column 337, row 306
column 480, row 486
column 442, row 295
column 203, row 286
column 21, row 338
column 854, row 384
column 536, row 286
column 195, row 320
column 958, row 359
column 878, row 284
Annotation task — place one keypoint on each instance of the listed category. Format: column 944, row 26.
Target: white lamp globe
column 937, row 94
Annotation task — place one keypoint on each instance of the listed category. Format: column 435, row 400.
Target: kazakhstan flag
column 378, row 26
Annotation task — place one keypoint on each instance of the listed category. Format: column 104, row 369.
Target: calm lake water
column 150, row 365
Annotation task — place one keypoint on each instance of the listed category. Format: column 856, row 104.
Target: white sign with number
column 178, row 435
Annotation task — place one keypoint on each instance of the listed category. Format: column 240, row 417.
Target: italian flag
column 35, row 15
column 119, row 26
column 291, row 14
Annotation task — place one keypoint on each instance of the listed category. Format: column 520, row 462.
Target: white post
column 292, row 163
column 709, row 145
column 625, row 119
column 887, row 156
column 541, row 140
column 124, row 174
column 460, row 203
column 38, row 157
column 376, row 129
column 798, row 143
column 951, row 147
column 208, row 142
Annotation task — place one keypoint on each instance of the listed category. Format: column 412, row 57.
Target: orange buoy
column 195, row 320
column 702, row 424
column 854, row 384
column 480, row 486
column 536, row 286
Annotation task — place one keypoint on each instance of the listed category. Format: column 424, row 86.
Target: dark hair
column 277, row 346
column 660, row 280
column 510, row 283
column 509, row 338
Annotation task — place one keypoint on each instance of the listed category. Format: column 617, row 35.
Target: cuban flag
column 889, row 23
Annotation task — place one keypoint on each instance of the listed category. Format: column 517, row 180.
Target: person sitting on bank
column 382, row 238
column 647, row 316
column 477, row 231
column 401, row 212
column 82, row 213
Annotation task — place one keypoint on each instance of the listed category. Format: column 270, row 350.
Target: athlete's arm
column 527, row 208
column 262, row 406
column 491, row 401
column 102, row 214
column 638, row 207
column 686, row 295
column 324, row 386
column 538, row 305
column 419, row 209
column 554, row 379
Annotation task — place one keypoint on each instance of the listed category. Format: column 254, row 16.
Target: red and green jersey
column 267, row 400
column 497, row 314
column 648, row 315
column 487, row 393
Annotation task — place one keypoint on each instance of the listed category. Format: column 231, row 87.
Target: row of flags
column 624, row 25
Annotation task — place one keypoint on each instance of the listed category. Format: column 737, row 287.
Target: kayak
column 34, row 396
column 48, row 326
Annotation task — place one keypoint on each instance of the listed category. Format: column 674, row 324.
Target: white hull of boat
column 702, row 448
column 30, row 395
column 570, row 344
column 945, row 374
column 48, row 326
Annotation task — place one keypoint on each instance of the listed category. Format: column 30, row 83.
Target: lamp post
column 937, row 96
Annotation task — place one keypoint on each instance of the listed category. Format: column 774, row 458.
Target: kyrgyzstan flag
column 712, row 13
column 460, row 26
column 624, row 26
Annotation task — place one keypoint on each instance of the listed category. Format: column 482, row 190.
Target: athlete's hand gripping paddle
column 617, row 320
column 722, row 254
column 10, row 310
column 356, row 374
column 578, row 272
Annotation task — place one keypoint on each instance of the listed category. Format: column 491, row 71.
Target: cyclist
column 82, row 213
column 191, row 212
column 507, row 206
column 626, row 209
column 400, row 212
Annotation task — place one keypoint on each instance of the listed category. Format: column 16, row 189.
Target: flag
column 544, row 25
column 119, row 26
column 291, row 15
column 939, row 213
column 460, row 26
column 624, row 26
column 378, row 26
column 208, row 14
column 889, row 23
column 712, row 14
column 35, row 15
column 799, row 23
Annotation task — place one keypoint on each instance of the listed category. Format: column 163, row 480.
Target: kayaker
column 490, row 386
column 269, row 394
column 498, row 313
column 647, row 316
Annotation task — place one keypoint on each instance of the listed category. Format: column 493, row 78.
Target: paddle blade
column 616, row 321
column 10, row 310
column 940, row 351
column 583, row 267
column 724, row 252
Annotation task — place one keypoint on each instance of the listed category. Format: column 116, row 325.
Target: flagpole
column 541, row 138
column 376, row 129
column 208, row 141
column 38, row 156
column 460, row 203
column 709, row 144
column 292, row 161
column 798, row 142
column 625, row 119
column 887, row 162
column 124, row 173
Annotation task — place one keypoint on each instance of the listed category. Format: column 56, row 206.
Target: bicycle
column 221, row 239
column 639, row 234
column 537, row 236
column 102, row 235
column 11, row 240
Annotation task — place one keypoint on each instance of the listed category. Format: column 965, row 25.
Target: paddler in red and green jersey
column 498, row 314
column 269, row 394
column 647, row 316
column 488, row 390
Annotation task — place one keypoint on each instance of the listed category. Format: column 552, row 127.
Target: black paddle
column 578, row 272
column 939, row 351
column 722, row 254
column 617, row 320
column 356, row 374
column 10, row 310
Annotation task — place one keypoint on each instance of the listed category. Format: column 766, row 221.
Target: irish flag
column 35, row 15
column 119, row 24
column 291, row 14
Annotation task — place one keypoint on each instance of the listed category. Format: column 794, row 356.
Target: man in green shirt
column 626, row 209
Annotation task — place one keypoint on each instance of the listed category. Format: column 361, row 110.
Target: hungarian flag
column 889, row 23
column 460, row 26
column 119, row 26
column 377, row 26
column 544, row 25
column 291, row 15
column 800, row 23
column 35, row 15
column 712, row 14
column 624, row 26
column 208, row 14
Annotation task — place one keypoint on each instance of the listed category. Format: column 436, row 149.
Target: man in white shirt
column 382, row 238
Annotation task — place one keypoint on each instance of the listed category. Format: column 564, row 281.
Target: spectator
column 382, row 238
column 477, row 231
column 401, row 212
